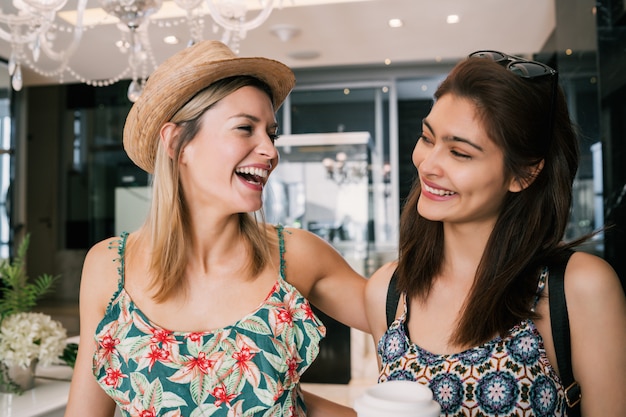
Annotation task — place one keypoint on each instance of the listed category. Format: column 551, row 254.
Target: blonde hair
column 168, row 219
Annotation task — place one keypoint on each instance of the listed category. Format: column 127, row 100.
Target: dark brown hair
column 517, row 115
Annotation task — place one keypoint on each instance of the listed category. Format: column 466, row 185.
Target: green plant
column 18, row 293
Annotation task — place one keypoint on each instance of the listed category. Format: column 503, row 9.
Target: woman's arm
column 319, row 407
column 323, row 276
column 98, row 284
column 597, row 315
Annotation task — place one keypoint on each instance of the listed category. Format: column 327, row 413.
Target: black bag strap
column 561, row 334
column 393, row 298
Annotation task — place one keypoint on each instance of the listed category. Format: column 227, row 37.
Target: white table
column 47, row 399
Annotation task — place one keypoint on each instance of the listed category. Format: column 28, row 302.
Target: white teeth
column 437, row 191
column 259, row 172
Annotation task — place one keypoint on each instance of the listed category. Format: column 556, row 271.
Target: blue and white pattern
column 508, row 376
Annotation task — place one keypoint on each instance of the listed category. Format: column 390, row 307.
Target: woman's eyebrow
column 254, row 119
column 454, row 138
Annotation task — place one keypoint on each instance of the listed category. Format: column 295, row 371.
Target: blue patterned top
column 250, row 368
column 508, row 376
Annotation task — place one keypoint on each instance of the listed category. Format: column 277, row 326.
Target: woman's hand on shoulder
column 597, row 314
column 322, row 275
column 376, row 299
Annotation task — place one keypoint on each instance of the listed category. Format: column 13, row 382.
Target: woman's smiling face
column 461, row 170
column 227, row 164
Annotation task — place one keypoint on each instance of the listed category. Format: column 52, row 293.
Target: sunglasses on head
column 519, row 66
column 525, row 69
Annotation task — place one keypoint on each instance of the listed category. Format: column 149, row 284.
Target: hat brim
column 179, row 79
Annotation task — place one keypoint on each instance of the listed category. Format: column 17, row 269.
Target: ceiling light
column 171, row 40
column 395, row 23
column 387, row 61
column 284, row 32
column 452, row 18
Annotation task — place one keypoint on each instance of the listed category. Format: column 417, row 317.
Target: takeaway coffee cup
column 397, row 399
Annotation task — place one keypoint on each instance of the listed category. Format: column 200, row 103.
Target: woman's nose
column 266, row 147
column 426, row 159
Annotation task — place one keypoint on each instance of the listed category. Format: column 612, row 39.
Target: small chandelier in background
column 342, row 171
column 33, row 27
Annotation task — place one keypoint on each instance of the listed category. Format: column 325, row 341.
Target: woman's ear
column 520, row 184
column 168, row 135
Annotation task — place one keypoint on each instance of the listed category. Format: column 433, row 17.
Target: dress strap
column 393, row 298
column 541, row 284
column 120, row 244
column 281, row 247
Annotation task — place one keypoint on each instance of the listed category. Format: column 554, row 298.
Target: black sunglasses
column 519, row 66
column 525, row 69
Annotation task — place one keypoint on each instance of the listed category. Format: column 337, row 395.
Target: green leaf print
column 139, row 382
column 153, row 397
column 255, row 324
column 204, row 410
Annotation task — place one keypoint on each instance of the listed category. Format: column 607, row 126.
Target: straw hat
column 179, row 78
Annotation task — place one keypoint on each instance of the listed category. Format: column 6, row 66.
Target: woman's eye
column 424, row 139
column 273, row 136
column 246, row 128
column 460, row 155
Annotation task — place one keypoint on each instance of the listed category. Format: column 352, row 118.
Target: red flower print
column 113, row 378
column 194, row 337
column 308, row 311
column 201, row 363
column 285, row 316
column 163, row 337
column 147, row 413
column 243, row 356
column 222, row 397
column 107, row 343
column 292, row 368
column 157, row 355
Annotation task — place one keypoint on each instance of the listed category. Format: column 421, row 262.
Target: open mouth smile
column 256, row 176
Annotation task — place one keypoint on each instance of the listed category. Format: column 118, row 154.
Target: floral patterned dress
column 250, row 368
column 508, row 376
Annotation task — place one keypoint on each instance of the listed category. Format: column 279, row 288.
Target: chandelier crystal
column 33, row 28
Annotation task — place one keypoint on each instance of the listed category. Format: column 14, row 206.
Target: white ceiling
column 347, row 33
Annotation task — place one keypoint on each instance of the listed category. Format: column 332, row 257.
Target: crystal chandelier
column 343, row 171
column 33, row 27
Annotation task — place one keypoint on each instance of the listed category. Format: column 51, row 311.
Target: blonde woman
column 204, row 311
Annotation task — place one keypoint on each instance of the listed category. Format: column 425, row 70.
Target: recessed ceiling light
column 171, row 40
column 452, row 18
column 395, row 23
column 303, row 54
column 387, row 61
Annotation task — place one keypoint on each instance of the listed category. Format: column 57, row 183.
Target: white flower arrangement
column 27, row 336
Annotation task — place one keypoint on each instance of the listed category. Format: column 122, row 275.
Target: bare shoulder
column 306, row 249
column 376, row 289
column 596, row 307
column 588, row 275
column 593, row 290
column 300, row 239
column 103, row 256
column 100, row 275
